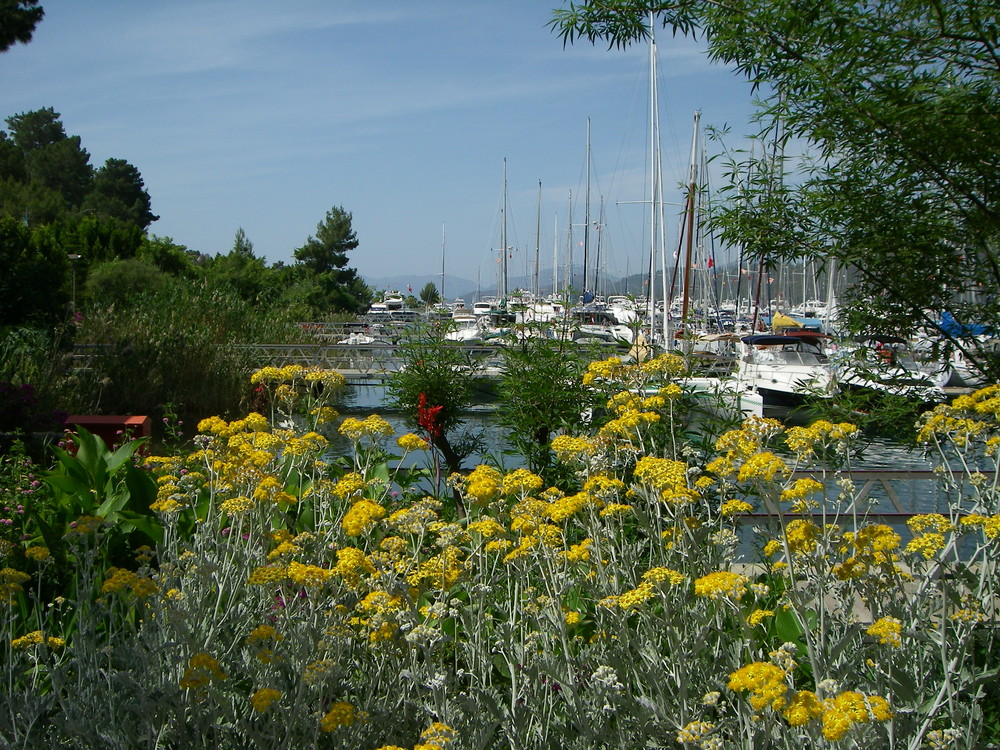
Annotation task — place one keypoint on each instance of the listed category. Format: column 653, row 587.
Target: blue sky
column 263, row 115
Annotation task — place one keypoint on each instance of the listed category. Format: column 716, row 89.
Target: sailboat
column 591, row 321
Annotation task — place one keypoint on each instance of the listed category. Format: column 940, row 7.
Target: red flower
column 427, row 417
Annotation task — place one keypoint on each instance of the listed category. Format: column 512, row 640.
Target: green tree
column 243, row 271
column 11, row 159
column 325, row 256
column 18, row 19
column 96, row 239
column 242, row 245
column 168, row 256
column 124, row 282
column 897, row 104
column 433, row 388
column 541, row 395
column 34, row 287
column 119, row 192
column 53, row 163
column 429, row 294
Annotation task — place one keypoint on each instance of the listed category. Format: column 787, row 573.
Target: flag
column 711, row 262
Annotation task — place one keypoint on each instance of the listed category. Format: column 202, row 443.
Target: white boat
column 589, row 323
column 886, row 364
column 786, row 370
column 622, row 308
column 482, row 307
column 464, row 327
column 357, row 339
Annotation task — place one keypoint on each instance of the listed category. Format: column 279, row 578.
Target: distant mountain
column 456, row 286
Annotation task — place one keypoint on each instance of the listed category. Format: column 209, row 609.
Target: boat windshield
column 788, row 354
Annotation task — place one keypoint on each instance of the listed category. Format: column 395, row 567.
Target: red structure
column 113, row 429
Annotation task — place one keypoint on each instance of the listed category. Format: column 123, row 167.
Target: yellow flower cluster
column 11, row 584
column 696, row 732
column 119, row 580
column 579, row 552
column 521, row 482
column 324, row 414
column 487, row 528
column 798, row 493
column 873, row 545
column 362, row 516
column 36, row 638
column 341, row 714
column 410, row 442
column 758, row 616
column 753, row 435
column 763, row 465
column 801, row 535
column 268, row 574
column 821, row 433
column 628, row 423
column 379, row 612
column 928, row 544
column 263, row 634
column 483, row 484
column 850, row 709
column 201, row 670
column 660, row 574
column 603, row 487
column 668, row 477
column 372, row 427
column 930, row 521
column 568, row 448
column 765, row 682
column 262, row 699
column 436, row 736
column 735, row 507
column 802, row 708
column 562, row 508
column 608, row 370
column 416, row 518
column 308, row 575
column 219, row 427
column 352, row 563
column 989, row 524
column 440, row 572
column 963, row 420
column 38, row 554
column 722, row 584
column 233, row 506
column 888, row 630
column 349, row 485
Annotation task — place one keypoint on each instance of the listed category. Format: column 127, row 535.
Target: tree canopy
column 18, row 19
column 58, row 205
column 46, row 175
column 118, row 191
column 325, row 255
column 895, row 106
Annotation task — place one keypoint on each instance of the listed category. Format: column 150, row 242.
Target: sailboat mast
column 597, row 260
column 502, row 291
column 586, row 222
column 653, row 156
column 555, row 256
column 569, row 249
column 441, row 295
column 692, row 191
column 538, row 238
